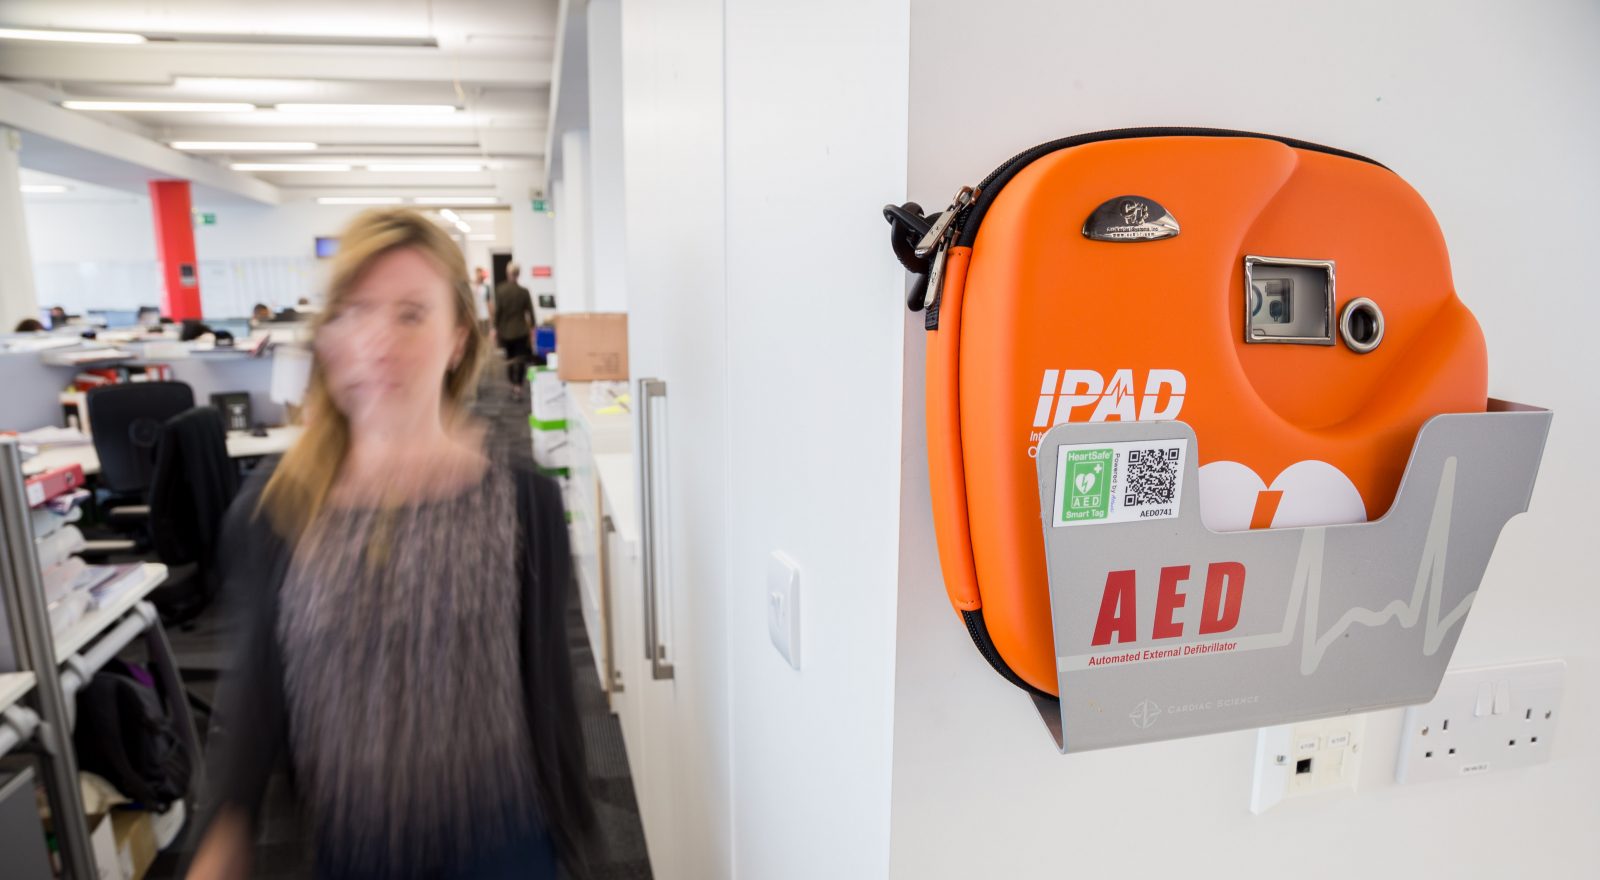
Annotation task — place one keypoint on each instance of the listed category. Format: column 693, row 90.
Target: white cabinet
column 596, row 426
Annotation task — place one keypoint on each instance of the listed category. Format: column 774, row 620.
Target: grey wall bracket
column 1268, row 626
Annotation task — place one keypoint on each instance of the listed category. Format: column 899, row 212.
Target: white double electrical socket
column 1481, row 720
column 1306, row 758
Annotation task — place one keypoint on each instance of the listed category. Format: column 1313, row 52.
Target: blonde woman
column 407, row 652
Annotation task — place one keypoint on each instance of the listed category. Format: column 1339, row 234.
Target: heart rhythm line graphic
column 1427, row 593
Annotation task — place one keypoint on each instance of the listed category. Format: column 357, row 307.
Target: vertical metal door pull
column 649, row 391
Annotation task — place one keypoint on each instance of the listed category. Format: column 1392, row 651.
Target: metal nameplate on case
column 1130, row 218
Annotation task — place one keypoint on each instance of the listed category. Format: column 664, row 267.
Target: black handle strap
column 907, row 226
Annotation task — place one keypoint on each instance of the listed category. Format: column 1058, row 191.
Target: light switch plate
column 783, row 606
column 1484, row 719
column 1305, row 758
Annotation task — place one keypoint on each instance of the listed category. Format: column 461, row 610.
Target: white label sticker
column 1119, row 482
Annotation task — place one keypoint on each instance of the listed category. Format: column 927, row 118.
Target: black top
column 513, row 311
column 254, row 560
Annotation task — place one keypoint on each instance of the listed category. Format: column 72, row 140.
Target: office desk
column 240, row 445
column 89, row 627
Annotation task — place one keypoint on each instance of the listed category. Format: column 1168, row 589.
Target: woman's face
column 387, row 344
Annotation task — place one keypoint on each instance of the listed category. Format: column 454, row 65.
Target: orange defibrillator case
column 1291, row 302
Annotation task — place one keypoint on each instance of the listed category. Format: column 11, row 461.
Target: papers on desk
column 48, row 437
column 42, row 343
column 93, row 587
column 85, row 356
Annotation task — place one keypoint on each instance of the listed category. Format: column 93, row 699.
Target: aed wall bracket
column 1329, row 620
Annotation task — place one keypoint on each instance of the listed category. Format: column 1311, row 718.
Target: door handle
column 653, row 395
column 613, row 676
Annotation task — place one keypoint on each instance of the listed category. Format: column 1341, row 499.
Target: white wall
column 783, row 382
column 814, row 353
column 18, row 299
column 574, row 292
column 533, row 236
column 101, row 254
column 93, row 254
column 678, row 305
column 608, row 280
column 1486, row 108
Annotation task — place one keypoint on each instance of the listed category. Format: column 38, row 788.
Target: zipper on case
column 986, row 190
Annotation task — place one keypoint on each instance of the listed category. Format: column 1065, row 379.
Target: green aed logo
column 1088, row 476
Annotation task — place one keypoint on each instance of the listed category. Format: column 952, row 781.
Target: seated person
column 58, row 317
column 29, row 325
column 192, row 330
column 260, row 314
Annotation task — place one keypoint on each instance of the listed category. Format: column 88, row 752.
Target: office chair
column 193, row 484
column 127, row 419
column 126, row 422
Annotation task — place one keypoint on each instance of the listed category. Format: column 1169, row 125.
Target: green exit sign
column 538, row 204
column 208, row 219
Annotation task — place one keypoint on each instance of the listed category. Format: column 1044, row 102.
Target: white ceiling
column 491, row 59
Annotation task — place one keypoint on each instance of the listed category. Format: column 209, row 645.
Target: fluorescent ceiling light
column 463, row 227
column 288, row 166
column 37, row 188
column 450, row 215
column 233, row 86
column 409, row 109
column 68, row 36
column 359, row 200
column 245, row 146
column 456, row 200
column 425, row 167
column 481, row 236
column 161, row 106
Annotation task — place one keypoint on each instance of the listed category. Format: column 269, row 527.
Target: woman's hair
column 300, row 484
column 28, row 325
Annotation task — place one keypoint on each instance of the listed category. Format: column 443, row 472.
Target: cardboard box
column 134, row 832
column 592, row 346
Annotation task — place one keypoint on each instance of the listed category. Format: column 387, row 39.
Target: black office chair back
column 126, row 421
column 193, row 484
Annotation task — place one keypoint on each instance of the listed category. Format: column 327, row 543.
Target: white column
column 607, row 241
column 18, row 299
column 573, row 257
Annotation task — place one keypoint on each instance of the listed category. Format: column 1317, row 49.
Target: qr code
column 1152, row 476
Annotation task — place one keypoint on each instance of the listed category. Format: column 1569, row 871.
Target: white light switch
column 783, row 606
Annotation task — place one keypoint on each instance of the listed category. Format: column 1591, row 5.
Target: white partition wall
column 1486, row 108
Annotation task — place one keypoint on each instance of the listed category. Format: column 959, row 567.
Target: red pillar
column 180, row 272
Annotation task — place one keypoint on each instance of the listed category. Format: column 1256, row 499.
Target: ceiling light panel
column 387, row 109
column 456, row 200
column 359, row 200
column 288, row 166
column 69, row 36
column 161, row 106
column 426, row 167
column 244, row 146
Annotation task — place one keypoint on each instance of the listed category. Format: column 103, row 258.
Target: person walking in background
column 483, row 297
column 406, row 648
column 513, row 325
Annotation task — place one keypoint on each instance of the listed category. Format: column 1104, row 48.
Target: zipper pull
column 935, row 276
column 936, row 232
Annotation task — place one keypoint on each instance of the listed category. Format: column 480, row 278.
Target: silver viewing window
column 1288, row 301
